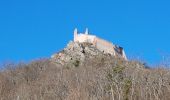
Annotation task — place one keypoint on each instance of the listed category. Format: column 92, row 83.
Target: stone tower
column 75, row 34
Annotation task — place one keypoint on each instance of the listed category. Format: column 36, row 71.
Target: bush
column 76, row 63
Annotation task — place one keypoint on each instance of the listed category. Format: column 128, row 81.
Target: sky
column 33, row 29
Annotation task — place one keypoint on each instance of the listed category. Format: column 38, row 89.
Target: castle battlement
column 101, row 44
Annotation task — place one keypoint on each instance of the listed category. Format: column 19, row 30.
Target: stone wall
column 84, row 38
column 101, row 44
column 104, row 45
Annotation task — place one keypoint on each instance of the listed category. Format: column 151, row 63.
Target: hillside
column 82, row 72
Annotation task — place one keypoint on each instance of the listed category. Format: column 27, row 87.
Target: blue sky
column 31, row 29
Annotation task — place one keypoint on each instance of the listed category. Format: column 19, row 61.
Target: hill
column 82, row 72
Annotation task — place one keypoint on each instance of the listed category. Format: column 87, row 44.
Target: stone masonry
column 101, row 44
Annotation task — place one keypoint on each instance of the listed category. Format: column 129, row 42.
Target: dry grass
column 99, row 78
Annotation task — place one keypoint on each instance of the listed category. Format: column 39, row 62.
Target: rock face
column 76, row 52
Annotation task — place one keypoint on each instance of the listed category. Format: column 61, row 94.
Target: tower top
column 75, row 30
column 87, row 31
column 75, row 34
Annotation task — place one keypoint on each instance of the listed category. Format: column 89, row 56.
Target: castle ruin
column 101, row 44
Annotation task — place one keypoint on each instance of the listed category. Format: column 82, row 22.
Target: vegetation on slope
column 98, row 78
column 82, row 72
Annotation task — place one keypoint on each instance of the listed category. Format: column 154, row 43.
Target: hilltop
column 82, row 72
column 79, row 52
column 88, row 68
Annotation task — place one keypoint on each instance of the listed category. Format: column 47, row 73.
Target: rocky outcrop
column 76, row 52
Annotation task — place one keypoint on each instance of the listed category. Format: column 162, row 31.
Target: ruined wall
column 102, row 45
column 108, row 47
column 81, row 38
column 85, row 38
column 105, row 46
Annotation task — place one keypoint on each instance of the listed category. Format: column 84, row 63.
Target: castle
column 102, row 45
